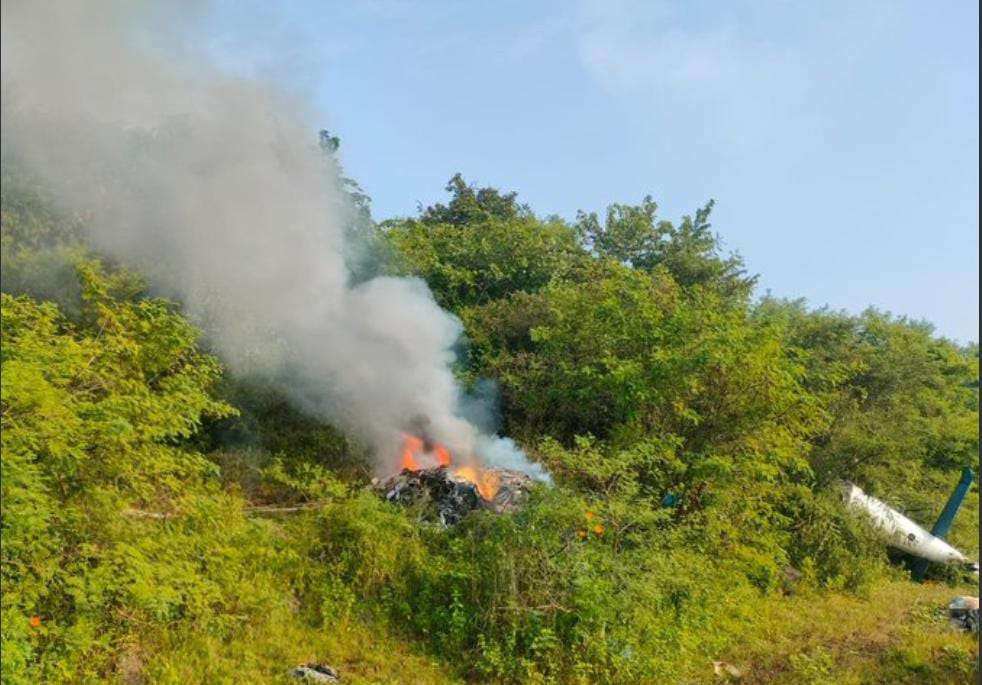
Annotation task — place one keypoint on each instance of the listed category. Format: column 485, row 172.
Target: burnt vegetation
column 164, row 521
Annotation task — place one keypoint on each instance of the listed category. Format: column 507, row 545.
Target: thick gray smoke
column 214, row 185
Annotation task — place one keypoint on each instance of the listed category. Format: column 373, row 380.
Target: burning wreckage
column 446, row 492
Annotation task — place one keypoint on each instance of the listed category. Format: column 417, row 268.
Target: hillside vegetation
column 694, row 432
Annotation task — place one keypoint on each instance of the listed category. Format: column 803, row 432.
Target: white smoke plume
column 213, row 185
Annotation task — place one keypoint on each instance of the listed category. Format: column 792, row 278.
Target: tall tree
column 690, row 252
column 358, row 203
column 481, row 246
column 470, row 205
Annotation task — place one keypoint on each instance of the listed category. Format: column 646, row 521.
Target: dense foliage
column 695, row 436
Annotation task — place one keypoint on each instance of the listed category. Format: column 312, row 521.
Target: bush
column 112, row 528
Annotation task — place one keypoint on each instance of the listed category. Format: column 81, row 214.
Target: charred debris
column 446, row 496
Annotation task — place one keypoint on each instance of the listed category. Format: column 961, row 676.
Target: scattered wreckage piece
column 900, row 531
column 451, row 496
column 316, row 673
column 726, row 671
column 964, row 613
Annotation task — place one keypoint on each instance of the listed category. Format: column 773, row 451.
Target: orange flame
column 411, row 445
column 486, row 482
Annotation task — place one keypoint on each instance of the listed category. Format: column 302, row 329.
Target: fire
column 486, row 482
column 411, row 445
column 414, row 448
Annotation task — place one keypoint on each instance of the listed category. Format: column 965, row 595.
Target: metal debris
column 449, row 497
column 726, row 671
column 899, row 531
column 964, row 613
column 316, row 673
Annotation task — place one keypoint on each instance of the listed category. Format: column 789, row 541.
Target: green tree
column 94, row 415
column 690, row 252
column 892, row 389
column 631, row 355
column 481, row 247
column 357, row 203
column 469, row 205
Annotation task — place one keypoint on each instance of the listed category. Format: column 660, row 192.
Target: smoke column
column 214, row 186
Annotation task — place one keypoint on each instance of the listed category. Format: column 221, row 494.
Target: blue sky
column 840, row 140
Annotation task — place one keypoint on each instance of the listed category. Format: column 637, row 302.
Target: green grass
column 266, row 651
column 899, row 633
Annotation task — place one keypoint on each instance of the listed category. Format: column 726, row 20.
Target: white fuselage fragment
column 900, row 531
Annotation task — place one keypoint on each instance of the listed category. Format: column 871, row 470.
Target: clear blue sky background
column 840, row 139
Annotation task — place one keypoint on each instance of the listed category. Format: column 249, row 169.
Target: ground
column 898, row 634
